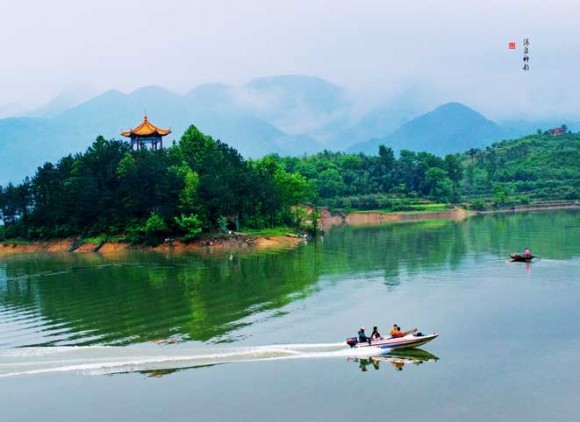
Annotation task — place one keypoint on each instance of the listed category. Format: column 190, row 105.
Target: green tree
column 152, row 232
column 501, row 194
column 330, row 183
column 189, row 225
column 438, row 185
column 188, row 197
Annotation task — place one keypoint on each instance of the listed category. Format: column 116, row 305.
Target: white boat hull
column 406, row 342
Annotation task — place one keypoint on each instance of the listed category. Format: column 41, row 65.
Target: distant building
column 146, row 134
column 558, row 131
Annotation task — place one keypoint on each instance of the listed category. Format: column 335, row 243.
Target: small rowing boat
column 516, row 257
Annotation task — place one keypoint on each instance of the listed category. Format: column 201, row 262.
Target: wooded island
column 201, row 185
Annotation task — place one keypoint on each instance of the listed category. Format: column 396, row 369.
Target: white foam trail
column 109, row 359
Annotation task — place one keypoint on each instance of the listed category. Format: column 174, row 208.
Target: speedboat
column 516, row 257
column 390, row 343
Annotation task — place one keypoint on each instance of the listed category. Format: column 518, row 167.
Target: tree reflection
column 144, row 297
column 84, row 299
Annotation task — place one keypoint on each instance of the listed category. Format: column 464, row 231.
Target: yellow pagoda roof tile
column 146, row 129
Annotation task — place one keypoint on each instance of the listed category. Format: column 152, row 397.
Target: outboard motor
column 351, row 341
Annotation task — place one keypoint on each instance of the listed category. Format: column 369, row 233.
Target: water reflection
column 140, row 297
column 526, row 265
column 398, row 249
column 159, row 373
column 396, row 360
column 88, row 299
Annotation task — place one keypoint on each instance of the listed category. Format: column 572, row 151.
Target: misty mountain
column 376, row 123
column 26, row 143
column 214, row 95
column 450, row 128
column 292, row 93
column 59, row 104
column 298, row 104
column 306, row 105
column 288, row 115
column 20, row 146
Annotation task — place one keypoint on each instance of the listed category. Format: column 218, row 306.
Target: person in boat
column 397, row 333
column 375, row 335
column 394, row 330
column 400, row 333
column 527, row 253
column 362, row 337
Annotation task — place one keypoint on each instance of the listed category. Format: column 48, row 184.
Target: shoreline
column 524, row 208
column 242, row 242
column 72, row 245
column 373, row 218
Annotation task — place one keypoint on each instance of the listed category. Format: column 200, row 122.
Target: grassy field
column 277, row 231
column 410, row 208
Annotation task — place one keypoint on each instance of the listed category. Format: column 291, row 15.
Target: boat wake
column 152, row 359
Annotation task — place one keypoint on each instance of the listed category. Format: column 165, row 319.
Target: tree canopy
column 200, row 184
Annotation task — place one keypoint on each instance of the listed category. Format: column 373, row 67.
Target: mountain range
column 448, row 129
column 287, row 115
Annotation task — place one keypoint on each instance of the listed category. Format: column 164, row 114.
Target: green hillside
column 536, row 167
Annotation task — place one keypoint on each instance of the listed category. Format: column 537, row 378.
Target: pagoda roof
column 146, row 129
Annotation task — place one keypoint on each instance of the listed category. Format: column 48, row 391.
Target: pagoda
column 146, row 134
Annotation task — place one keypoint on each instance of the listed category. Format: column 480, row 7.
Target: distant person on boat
column 527, row 253
column 375, row 335
column 362, row 337
column 394, row 330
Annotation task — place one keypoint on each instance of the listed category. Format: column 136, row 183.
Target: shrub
column 190, row 225
column 478, row 205
column 152, row 233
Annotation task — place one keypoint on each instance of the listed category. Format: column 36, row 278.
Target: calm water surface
column 259, row 336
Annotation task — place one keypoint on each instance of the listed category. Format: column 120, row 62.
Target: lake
column 259, row 336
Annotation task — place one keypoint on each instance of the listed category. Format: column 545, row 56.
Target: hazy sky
column 447, row 50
